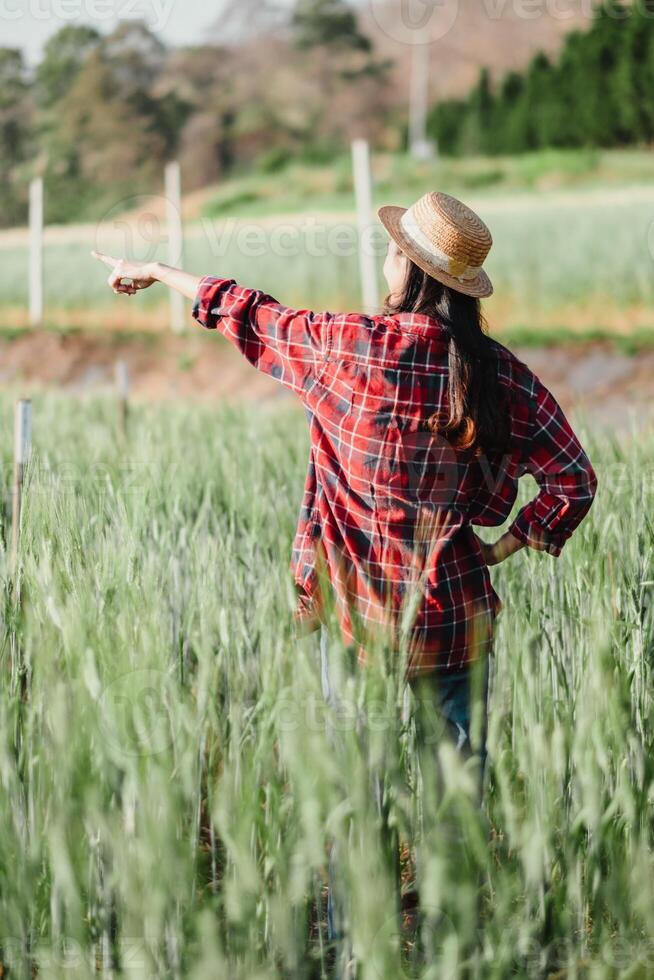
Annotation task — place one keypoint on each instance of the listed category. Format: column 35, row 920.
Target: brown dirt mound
column 609, row 387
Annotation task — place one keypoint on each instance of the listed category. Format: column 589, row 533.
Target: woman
column 421, row 426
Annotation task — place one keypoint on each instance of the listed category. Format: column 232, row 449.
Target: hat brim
column 391, row 218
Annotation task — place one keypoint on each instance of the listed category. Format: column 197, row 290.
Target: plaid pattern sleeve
column 563, row 471
column 284, row 343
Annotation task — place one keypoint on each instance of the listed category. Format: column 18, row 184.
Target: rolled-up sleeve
column 287, row 344
column 563, row 471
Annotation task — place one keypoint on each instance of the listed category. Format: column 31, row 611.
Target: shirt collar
column 420, row 323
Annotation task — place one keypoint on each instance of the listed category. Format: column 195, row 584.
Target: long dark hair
column 478, row 417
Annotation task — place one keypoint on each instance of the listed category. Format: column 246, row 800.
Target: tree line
column 100, row 115
column 598, row 93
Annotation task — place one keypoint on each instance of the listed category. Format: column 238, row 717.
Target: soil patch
column 612, row 389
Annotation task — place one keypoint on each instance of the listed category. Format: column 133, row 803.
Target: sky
column 27, row 24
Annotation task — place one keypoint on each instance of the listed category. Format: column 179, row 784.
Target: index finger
column 107, row 259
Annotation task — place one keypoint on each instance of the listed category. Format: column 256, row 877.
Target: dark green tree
column 63, row 57
column 645, row 85
column 113, row 128
column 328, row 23
column 134, row 60
column 477, row 123
column 572, row 86
column 598, row 93
column 13, row 93
column 511, row 116
column 136, row 56
column 15, row 134
column 337, row 58
column 544, row 106
column 633, row 78
column 446, row 125
column 598, row 102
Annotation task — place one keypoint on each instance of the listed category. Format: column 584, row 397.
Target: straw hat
column 445, row 239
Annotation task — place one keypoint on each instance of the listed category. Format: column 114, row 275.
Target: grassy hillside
column 400, row 179
column 573, row 245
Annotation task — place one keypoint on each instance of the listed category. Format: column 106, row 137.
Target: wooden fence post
column 173, row 181
column 22, row 450
column 363, row 192
column 36, row 252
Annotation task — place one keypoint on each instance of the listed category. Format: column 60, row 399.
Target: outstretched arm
column 287, row 344
column 142, row 275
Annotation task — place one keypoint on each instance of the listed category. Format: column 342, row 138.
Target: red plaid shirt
column 388, row 507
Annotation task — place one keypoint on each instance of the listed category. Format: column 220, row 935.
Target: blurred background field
column 544, row 123
column 573, row 241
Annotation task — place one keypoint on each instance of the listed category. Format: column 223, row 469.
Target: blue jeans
column 445, row 703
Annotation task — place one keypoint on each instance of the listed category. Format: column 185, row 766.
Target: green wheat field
column 170, row 787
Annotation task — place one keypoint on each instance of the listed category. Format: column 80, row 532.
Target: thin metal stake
column 36, row 253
